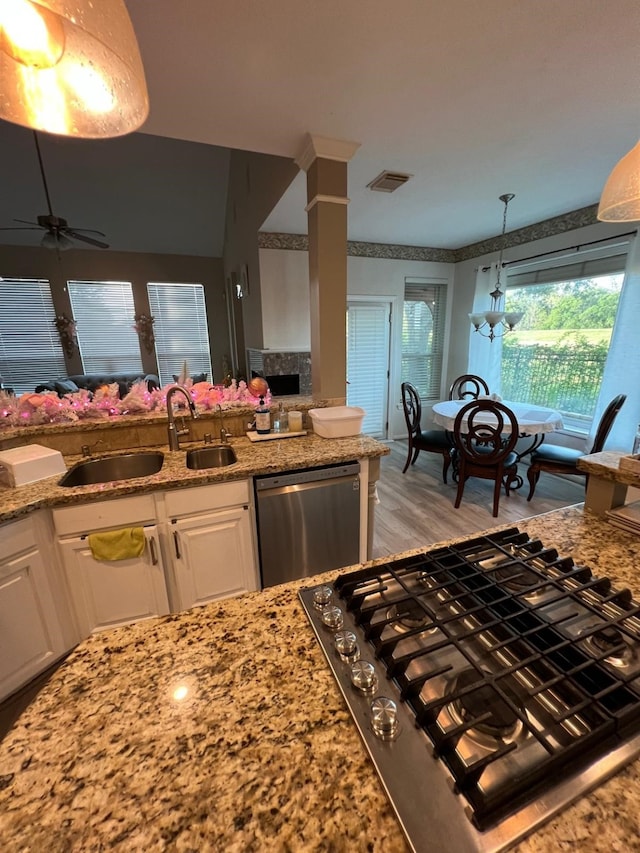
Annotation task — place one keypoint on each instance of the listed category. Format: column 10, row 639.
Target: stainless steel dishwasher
column 308, row 521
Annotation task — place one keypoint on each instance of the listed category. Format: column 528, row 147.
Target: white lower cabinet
column 212, row 556
column 200, row 546
column 107, row 594
column 209, row 542
column 32, row 636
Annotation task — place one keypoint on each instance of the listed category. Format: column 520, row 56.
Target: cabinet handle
column 177, row 544
column 152, row 548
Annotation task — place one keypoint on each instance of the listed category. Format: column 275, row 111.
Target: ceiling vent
column 388, row 182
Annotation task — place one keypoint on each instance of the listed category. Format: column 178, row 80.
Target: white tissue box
column 29, row 463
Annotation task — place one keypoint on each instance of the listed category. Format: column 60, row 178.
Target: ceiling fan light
column 620, row 200
column 55, row 241
column 96, row 87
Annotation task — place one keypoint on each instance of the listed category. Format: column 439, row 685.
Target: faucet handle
column 208, row 438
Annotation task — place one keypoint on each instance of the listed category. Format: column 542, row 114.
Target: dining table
column 533, row 421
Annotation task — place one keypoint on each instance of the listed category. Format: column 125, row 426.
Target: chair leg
column 446, row 461
column 533, row 475
column 406, row 464
column 461, row 481
column 497, row 486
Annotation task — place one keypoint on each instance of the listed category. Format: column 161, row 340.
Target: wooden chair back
column 468, row 387
column 606, row 422
column 485, row 449
column 411, row 407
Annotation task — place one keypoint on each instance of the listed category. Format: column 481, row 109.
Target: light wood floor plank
column 416, row 509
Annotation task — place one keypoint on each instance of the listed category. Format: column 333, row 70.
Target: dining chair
column 485, row 449
column 431, row 440
column 468, row 387
column 564, row 460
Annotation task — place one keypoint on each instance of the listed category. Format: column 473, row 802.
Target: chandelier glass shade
column 496, row 320
column 71, row 67
column 620, row 200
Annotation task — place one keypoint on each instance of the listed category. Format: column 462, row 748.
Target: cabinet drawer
column 16, row 537
column 121, row 512
column 204, row 498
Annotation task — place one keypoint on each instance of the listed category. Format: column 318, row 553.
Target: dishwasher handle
column 308, row 475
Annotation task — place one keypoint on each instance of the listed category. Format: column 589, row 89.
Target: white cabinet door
column 213, row 556
column 110, row 593
column 31, row 638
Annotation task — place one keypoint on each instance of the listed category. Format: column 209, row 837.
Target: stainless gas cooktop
column 492, row 681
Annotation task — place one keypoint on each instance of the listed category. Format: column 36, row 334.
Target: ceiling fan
column 58, row 233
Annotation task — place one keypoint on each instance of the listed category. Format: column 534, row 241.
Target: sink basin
column 211, row 457
column 123, row 467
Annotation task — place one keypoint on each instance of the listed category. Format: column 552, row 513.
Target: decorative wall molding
column 393, row 252
column 538, row 231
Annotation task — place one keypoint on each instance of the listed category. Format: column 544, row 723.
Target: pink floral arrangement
column 105, row 402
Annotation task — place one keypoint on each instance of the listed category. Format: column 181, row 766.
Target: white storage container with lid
column 337, row 421
column 21, row 465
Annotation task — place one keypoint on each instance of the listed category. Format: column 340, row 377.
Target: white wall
column 284, row 278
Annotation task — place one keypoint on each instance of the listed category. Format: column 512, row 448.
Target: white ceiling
column 535, row 97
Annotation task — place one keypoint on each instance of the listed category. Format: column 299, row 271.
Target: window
column 104, row 314
column 180, row 329
column 423, row 336
column 30, row 349
column 557, row 354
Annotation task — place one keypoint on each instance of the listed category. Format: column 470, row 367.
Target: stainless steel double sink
column 128, row 466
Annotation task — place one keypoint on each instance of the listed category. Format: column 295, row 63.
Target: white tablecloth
column 532, row 420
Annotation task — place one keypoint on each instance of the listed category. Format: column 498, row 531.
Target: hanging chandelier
column 498, row 322
column 71, row 67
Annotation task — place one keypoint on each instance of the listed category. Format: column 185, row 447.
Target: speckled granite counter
column 260, row 754
column 608, row 483
column 263, row 457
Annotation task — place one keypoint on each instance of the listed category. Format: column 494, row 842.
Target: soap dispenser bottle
column 263, row 418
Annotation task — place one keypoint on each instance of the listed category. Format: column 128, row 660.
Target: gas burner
column 518, row 580
column 503, row 724
column 408, row 615
column 610, row 641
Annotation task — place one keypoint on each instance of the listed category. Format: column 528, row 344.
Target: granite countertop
column 261, row 457
column 221, row 728
column 606, row 466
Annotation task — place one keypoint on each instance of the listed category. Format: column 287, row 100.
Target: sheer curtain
column 622, row 370
column 485, row 356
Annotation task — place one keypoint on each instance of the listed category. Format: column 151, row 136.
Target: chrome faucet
column 87, row 449
column 224, row 434
column 173, row 432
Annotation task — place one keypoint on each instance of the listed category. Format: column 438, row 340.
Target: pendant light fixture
column 620, row 200
column 495, row 317
column 71, row 67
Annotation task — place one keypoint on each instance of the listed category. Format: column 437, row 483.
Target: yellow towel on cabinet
column 117, row 544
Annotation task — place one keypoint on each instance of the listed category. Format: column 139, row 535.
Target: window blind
column 368, row 363
column 30, row 349
column 104, row 314
column 423, row 337
column 583, row 269
column 180, row 329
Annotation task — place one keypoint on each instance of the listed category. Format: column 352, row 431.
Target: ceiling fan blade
column 76, row 236
column 85, row 230
column 27, row 222
column 21, row 228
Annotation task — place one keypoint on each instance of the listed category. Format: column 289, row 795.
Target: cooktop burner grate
column 520, row 669
column 519, row 665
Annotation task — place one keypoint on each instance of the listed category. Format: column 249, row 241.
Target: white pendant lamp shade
column 620, row 201
column 71, row 67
